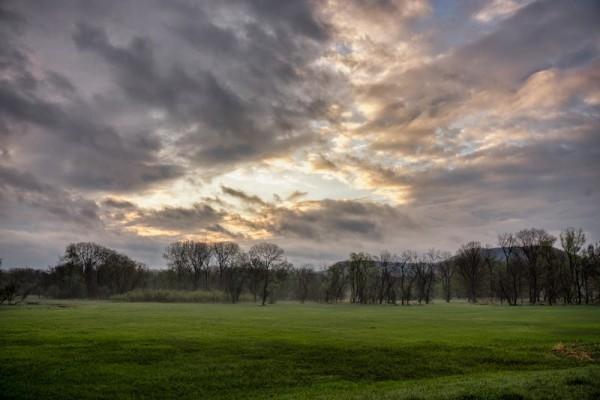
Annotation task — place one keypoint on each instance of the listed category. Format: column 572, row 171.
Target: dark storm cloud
column 95, row 99
column 243, row 196
column 185, row 219
column 249, row 97
column 64, row 133
column 239, row 89
column 224, row 232
column 11, row 178
column 337, row 220
column 22, row 196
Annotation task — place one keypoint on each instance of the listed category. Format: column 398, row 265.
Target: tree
column 198, row 255
column 305, row 276
column 225, row 253
column 88, row 269
column 572, row 242
column 16, row 284
column 591, row 263
column 13, row 291
column 88, row 256
column 386, row 282
column 552, row 271
column 268, row 258
column 362, row 275
column 235, row 275
column 510, row 279
column 336, row 279
column 177, row 258
column 491, row 262
column 425, row 274
column 119, row 273
column 530, row 241
column 446, row 272
column 470, row 266
column 67, row 280
column 406, row 275
column 255, row 275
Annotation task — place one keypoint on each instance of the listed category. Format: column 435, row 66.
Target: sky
column 325, row 126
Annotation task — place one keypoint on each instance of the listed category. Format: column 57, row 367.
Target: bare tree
column 198, row 255
column 591, row 263
column 386, row 281
column 88, row 256
column 119, row 273
column 336, row 279
column 431, row 258
column 305, row 276
column 529, row 241
column 572, row 241
column 268, row 257
column 361, row 271
column 490, row 262
column 406, row 275
column 255, row 275
column 552, row 271
column 423, row 266
column 225, row 253
column 236, row 274
column 470, row 265
column 446, row 272
column 510, row 279
column 12, row 289
column 176, row 256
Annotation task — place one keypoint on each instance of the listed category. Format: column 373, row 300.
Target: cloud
column 498, row 9
column 118, row 204
column 296, row 195
column 63, row 136
column 337, row 219
column 303, row 220
column 410, row 123
column 241, row 92
column 244, row 197
column 22, row 197
column 177, row 219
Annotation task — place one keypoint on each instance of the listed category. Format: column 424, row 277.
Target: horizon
column 319, row 267
column 323, row 127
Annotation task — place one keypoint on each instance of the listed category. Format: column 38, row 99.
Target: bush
column 175, row 296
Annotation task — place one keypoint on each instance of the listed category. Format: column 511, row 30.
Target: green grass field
column 193, row 351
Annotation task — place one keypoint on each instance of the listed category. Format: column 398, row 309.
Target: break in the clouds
column 324, row 126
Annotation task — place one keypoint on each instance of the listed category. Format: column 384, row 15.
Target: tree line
column 527, row 267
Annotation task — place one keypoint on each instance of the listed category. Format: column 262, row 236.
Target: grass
column 197, row 351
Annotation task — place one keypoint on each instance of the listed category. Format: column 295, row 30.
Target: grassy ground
column 151, row 350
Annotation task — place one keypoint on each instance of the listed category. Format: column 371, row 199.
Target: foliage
column 175, row 296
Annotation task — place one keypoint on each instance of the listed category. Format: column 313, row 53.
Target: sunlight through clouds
column 386, row 123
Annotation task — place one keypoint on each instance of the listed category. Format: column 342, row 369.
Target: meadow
column 86, row 350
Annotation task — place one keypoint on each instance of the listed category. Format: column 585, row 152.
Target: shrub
column 175, row 296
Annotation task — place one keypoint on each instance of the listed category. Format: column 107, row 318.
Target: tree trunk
column 265, row 288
